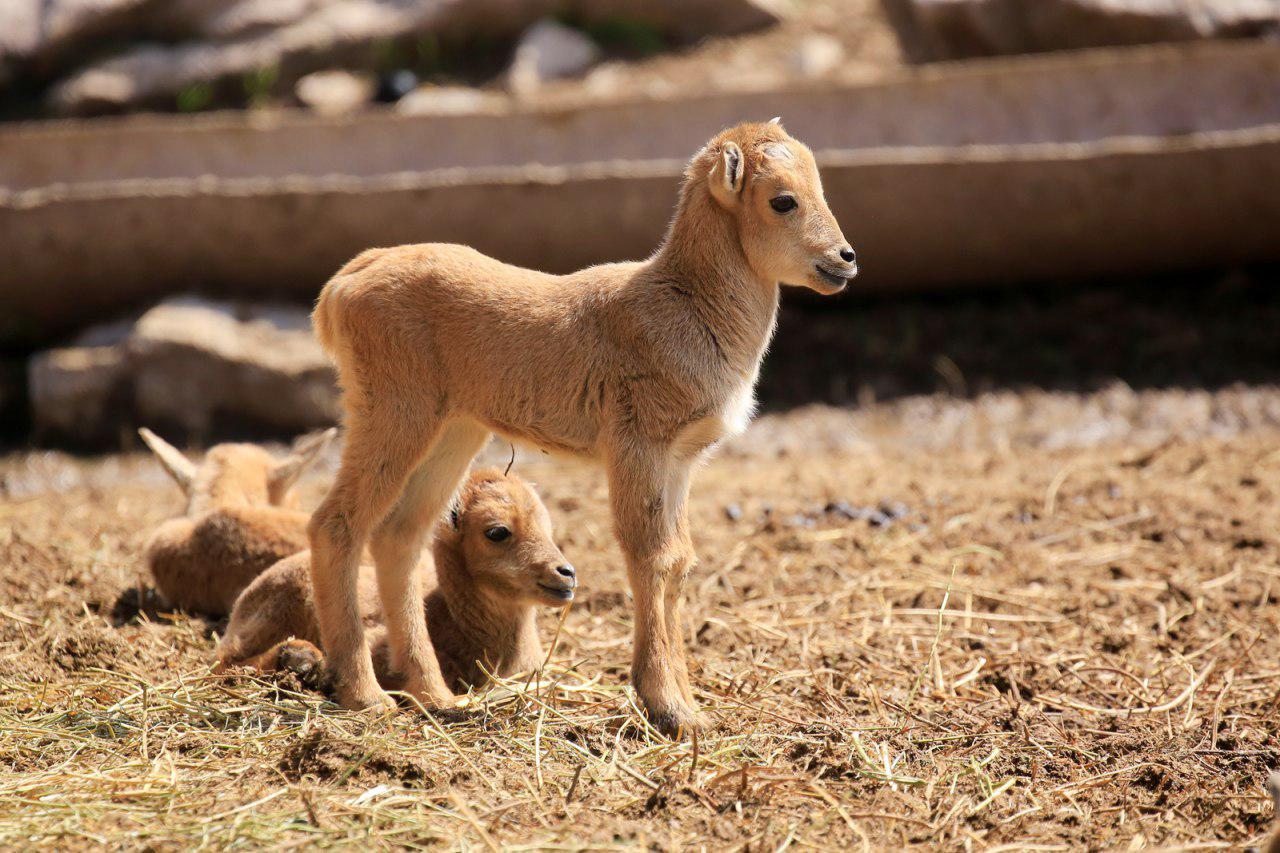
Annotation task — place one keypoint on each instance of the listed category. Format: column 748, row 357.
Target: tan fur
column 241, row 517
column 480, row 611
column 641, row 366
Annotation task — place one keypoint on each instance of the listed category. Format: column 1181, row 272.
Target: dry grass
column 1052, row 649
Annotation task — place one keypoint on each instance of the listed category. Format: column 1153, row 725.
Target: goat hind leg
column 396, row 545
column 291, row 655
column 300, row 657
column 249, row 639
column 382, row 449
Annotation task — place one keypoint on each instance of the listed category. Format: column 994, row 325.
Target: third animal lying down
column 241, row 517
column 495, row 561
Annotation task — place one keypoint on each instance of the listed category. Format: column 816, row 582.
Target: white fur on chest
column 731, row 420
column 739, row 411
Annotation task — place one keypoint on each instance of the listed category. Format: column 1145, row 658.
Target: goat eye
column 783, row 203
column 498, row 533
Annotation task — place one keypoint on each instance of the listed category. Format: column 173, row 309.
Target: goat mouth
column 836, row 281
column 559, row 593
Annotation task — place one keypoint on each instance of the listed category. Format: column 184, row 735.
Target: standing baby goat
column 240, row 519
column 494, row 562
column 642, row 367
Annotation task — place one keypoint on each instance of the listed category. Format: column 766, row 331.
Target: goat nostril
column 566, row 571
column 847, row 254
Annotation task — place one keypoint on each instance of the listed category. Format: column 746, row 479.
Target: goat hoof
column 376, row 699
column 306, row 662
column 434, row 703
column 430, row 698
column 675, row 722
column 454, row 715
column 299, row 656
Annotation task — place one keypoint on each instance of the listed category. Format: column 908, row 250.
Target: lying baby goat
column 494, row 561
column 240, row 519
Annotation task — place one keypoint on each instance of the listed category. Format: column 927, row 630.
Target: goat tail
column 323, row 319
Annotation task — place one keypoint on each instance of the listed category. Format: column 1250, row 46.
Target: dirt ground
column 1023, row 619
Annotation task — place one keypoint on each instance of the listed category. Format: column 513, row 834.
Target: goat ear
column 180, row 468
column 726, row 175
column 305, row 451
column 314, row 443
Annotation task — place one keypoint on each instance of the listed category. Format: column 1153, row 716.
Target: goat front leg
column 673, row 593
column 646, row 511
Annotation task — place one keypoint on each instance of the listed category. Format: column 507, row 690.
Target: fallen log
column 1109, row 163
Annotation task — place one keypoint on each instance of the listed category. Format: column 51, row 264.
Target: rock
column 230, row 43
column 949, row 29
column 549, row 51
column 40, row 35
column 894, row 509
column 79, row 392
column 334, row 92
column 449, row 100
column 226, row 19
column 817, row 55
column 197, row 363
column 394, row 86
column 19, row 33
column 187, row 364
column 876, row 518
column 162, row 48
column 684, row 21
column 43, row 36
column 605, row 80
column 845, row 510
